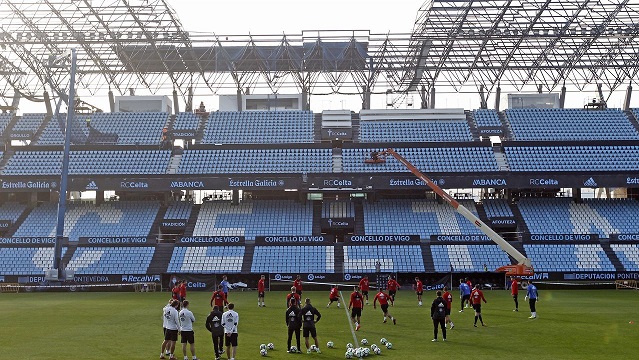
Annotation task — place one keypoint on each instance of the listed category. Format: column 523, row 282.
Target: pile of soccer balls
column 264, row 348
column 361, row 352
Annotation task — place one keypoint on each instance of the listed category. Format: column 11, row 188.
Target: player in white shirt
column 165, row 343
column 172, row 325
column 186, row 329
column 230, row 319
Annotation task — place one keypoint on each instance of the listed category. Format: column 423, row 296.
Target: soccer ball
column 263, row 347
column 366, row 351
column 293, row 349
column 270, row 346
column 364, row 342
column 314, row 348
column 389, row 345
column 348, row 354
column 349, row 346
column 359, row 353
column 377, row 351
column 263, row 352
column 383, row 341
column 330, row 344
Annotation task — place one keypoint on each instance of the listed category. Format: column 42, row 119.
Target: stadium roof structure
column 124, row 45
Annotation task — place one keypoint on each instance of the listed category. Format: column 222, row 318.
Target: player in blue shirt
column 225, row 286
column 464, row 294
column 532, row 296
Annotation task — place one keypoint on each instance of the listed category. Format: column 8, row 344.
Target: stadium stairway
column 631, row 117
column 338, row 251
column 190, row 224
column 472, row 124
column 481, row 212
column 71, row 248
column 355, row 126
column 520, row 247
column 338, row 165
column 317, row 127
column 199, row 133
column 359, row 218
column 500, row 157
column 155, row 227
column 14, row 227
column 508, row 132
column 247, row 261
column 161, row 258
column 174, row 163
column 317, row 218
column 605, row 245
column 427, row 255
column 522, row 228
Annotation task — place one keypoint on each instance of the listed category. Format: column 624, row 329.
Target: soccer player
column 214, row 325
column 225, row 286
column 476, row 297
column 514, row 291
column 298, row 286
column 172, row 326
column 364, row 287
column 182, row 291
column 165, row 348
column 392, row 286
column 219, row 298
column 308, row 314
column 533, row 298
column 260, row 292
column 419, row 290
column 383, row 303
column 175, row 292
column 438, row 314
column 230, row 319
column 186, row 330
column 333, row 296
column 356, row 306
column 294, row 324
column 448, row 297
column 293, row 295
column 464, row 294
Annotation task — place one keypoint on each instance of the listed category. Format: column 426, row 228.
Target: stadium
column 212, row 155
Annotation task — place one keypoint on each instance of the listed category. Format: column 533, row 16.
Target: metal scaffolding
column 125, row 45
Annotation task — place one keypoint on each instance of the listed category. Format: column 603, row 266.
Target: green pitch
column 574, row 324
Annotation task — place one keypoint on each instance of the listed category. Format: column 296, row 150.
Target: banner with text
column 624, row 237
column 295, row 240
column 337, row 223
column 560, row 237
column 119, row 241
column 459, row 238
column 211, row 240
column 173, row 224
column 381, row 239
column 27, row 241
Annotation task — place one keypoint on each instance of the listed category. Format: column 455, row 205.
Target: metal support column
column 497, row 97
column 47, row 103
column 111, row 101
column 176, row 104
column 626, row 103
column 562, row 97
column 483, row 104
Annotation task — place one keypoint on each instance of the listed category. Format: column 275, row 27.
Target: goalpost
column 626, row 284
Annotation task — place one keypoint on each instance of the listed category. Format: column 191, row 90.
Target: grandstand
column 557, row 179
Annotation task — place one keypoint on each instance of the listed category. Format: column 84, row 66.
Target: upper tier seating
column 111, row 219
column 206, row 259
column 497, row 208
column 5, row 119
column 293, row 259
column 186, row 121
column 338, row 209
column 428, row 160
column 123, row 128
column 111, row 260
column 259, row 127
column 11, row 211
column 254, row 218
column 178, row 210
column 568, row 257
column 26, row 261
column 468, row 258
column 486, row 118
column 251, row 161
column 89, row 162
column 570, row 124
column 29, row 123
column 573, row 158
column 392, row 258
column 52, row 135
column 416, row 217
column 628, row 254
column 593, row 216
column 414, row 130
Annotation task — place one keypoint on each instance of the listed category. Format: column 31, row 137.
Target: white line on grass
column 348, row 318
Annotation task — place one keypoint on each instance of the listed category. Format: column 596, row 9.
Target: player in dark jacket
column 308, row 314
column 214, row 325
column 294, row 323
column 438, row 314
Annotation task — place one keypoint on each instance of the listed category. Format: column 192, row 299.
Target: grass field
column 577, row 324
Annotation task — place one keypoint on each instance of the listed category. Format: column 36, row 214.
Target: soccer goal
column 9, row 288
column 626, row 284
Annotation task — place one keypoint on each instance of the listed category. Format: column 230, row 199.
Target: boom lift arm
column 523, row 266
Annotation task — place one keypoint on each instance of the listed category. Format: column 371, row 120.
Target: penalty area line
column 348, row 318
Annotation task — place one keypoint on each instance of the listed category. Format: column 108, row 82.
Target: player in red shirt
column 470, row 286
column 363, row 286
column 293, row 294
column 355, row 305
column 260, row 292
column 383, row 302
column 333, row 296
column 419, row 290
column 298, row 285
column 476, row 297
column 175, row 292
column 219, row 298
column 514, row 291
column 182, row 291
column 448, row 297
column 392, row 286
